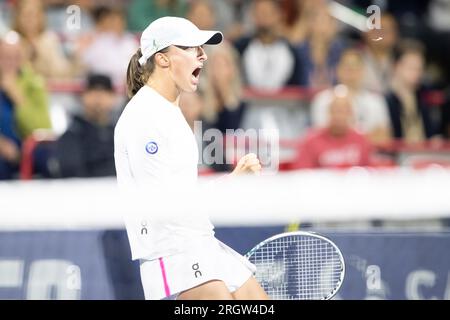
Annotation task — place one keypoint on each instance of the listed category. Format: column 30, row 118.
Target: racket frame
column 308, row 234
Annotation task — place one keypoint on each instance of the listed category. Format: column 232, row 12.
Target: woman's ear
column 162, row 60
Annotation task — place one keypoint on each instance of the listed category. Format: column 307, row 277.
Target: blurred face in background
column 350, row 70
column 117, row 23
column 29, row 18
column 114, row 22
column 340, row 116
column 409, row 69
column 98, row 105
column 266, row 17
column 388, row 33
column 201, row 14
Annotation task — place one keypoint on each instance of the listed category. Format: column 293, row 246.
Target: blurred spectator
column 268, row 60
column 268, row 63
column 23, row 103
column 201, row 13
column 142, row 12
column 410, row 116
column 214, row 15
column 223, row 106
column 42, row 47
column 22, row 89
column 9, row 139
column 320, row 52
column 86, row 149
column 219, row 104
column 337, row 145
column 378, row 50
column 370, row 110
column 109, row 49
column 295, row 18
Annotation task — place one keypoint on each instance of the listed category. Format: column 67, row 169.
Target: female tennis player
column 179, row 258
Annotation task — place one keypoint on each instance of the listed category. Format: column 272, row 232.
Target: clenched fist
column 247, row 164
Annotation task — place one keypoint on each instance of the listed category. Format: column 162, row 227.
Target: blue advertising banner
column 97, row 264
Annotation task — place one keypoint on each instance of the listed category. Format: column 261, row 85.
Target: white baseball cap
column 167, row 31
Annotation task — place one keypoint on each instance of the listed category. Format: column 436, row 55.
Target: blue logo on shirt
column 151, row 147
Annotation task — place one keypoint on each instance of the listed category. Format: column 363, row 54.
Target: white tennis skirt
column 166, row 277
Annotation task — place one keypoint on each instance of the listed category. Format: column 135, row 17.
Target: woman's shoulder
column 135, row 121
column 146, row 101
column 144, row 108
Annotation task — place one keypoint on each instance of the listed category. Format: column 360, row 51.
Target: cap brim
column 200, row 38
column 216, row 38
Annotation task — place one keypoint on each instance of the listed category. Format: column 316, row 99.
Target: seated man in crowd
column 370, row 110
column 337, row 145
column 86, row 149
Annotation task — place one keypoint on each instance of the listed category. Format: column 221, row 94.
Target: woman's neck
column 166, row 88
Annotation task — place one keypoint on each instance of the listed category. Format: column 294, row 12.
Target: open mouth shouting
column 196, row 74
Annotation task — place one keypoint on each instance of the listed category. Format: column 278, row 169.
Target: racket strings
column 298, row 268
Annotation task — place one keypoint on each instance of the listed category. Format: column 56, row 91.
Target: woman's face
column 185, row 66
column 350, row 70
column 410, row 69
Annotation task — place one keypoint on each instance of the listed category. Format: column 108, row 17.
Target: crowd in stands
column 368, row 89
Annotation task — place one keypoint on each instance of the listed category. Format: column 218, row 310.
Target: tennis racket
column 298, row 266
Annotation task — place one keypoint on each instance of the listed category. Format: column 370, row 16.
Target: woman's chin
column 191, row 88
